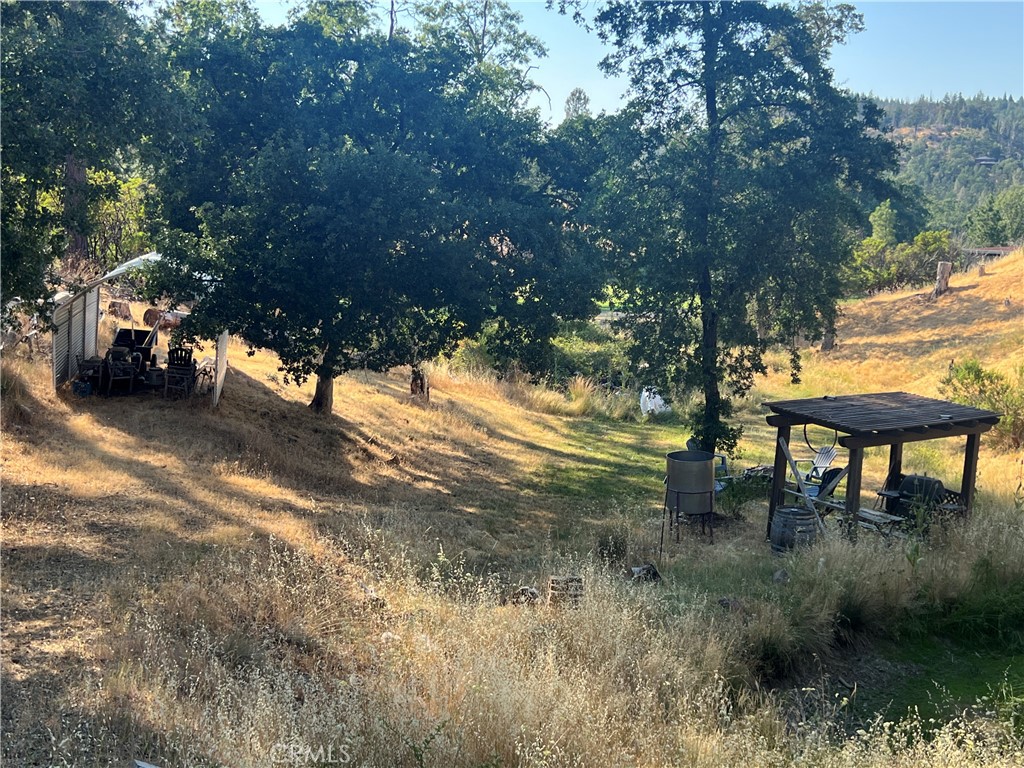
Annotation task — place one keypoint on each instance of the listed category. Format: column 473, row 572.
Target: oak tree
column 389, row 200
column 735, row 208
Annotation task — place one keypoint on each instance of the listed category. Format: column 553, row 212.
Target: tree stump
column 418, row 385
column 828, row 341
column 942, row 274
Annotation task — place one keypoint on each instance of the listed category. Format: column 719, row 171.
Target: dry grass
column 14, row 394
column 204, row 587
column 412, row 676
column 906, row 340
column 583, row 397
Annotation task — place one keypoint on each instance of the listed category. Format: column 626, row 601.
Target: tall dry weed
column 582, row 396
column 15, row 408
column 308, row 658
column 472, row 382
column 265, row 651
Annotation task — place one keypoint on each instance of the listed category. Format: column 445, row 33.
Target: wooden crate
column 565, row 590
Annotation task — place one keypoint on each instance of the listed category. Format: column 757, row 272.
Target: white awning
column 128, row 266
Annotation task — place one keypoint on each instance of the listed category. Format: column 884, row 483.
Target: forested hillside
column 963, row 153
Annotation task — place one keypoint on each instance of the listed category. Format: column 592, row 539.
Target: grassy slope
column 905, row 342
column 139, row 510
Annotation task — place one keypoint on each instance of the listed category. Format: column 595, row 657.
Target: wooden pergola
column 872, row 420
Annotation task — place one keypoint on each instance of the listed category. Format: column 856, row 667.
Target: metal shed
column 76, row 322
column 871, row 420
column 77, row 319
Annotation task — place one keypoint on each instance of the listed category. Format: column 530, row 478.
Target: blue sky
column 907, row 50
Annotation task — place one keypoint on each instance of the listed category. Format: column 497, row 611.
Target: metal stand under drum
column 679, row 506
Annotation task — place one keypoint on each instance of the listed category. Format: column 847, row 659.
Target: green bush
column 970, row 384
column 740, row 490
column 883, row 266
column 590, row 350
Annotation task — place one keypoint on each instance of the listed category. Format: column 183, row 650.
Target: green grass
column 941, row 679
column 611, row 460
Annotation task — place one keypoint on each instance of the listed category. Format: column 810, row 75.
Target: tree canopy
column 81, row 89
column 734, row 208
column 390, row 199
column 347, row 194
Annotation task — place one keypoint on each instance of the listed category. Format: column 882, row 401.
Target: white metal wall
column 222, row 367
column 74, row 335
column 61, row 334
column 92, row 321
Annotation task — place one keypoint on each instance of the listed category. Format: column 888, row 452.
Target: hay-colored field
column 232, row 586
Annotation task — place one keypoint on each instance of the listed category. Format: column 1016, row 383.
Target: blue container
column 81, row 388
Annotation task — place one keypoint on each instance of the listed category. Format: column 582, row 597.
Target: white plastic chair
column 822, row 460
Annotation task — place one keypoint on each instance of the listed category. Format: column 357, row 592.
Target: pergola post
column 895, row 466
column 853, row 481
column 970, row 472
column 778, row 474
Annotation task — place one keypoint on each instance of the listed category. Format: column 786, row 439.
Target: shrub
column 736, row 493
column 590, row 350
column 970, row 384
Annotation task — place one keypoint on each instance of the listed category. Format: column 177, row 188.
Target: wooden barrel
column 793, row 527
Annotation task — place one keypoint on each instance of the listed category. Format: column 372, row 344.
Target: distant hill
column 958, row 150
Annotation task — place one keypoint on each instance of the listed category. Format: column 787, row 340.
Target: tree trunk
column 712, row 420
column 323, row 397
column 419, row 385
column 762, row 319
column 77, row 248
column 709, row 366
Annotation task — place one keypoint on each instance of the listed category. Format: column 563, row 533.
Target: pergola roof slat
column 882, row 412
